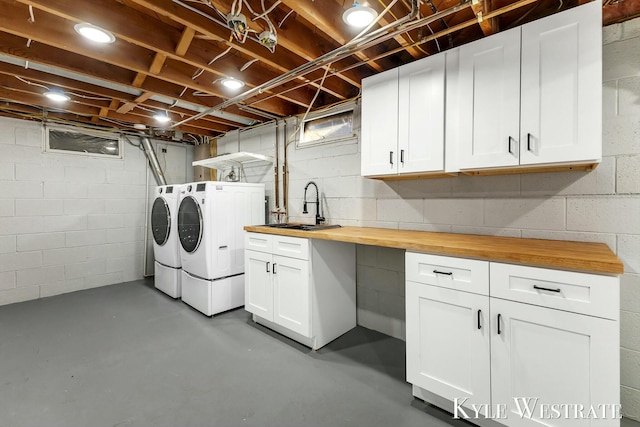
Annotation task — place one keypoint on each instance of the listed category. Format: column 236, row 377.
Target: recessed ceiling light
column 232, row 83
column 94, row 33
column 57, row 95
column 359, row 16
column 162, row 117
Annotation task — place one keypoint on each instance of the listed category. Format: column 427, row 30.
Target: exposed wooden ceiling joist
column 170, row 55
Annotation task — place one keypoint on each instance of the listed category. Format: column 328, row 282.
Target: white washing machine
column 166, row 247
column 211, row 220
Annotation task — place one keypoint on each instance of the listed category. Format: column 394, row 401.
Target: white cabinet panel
column 258, row 242
column 555, row 356
column 421, row 115
column 379, row 133
column 258, row 284
column 561, row 87
column 308, row 294
column 591, row 294
column 550, row 336
column 490, row 101
column 448, row 342
column 291, row 294
column 449, row 272
column 293, row 247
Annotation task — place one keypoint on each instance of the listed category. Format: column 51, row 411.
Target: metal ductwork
column 145, row 145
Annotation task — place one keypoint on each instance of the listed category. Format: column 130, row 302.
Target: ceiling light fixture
column 231, row 83
column 162, row 117
column 57, row 95
column 94, row 33
column 358, row 15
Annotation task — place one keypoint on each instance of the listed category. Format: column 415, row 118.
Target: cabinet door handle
column 274, row 268
column 479, row 315
column 541, row 288
column 509, row 144
column 528, row 142
column 499, row 321
column 391, row 158
column 268, row 263
column 402, row 156
column 446, row 273
column 223, row 247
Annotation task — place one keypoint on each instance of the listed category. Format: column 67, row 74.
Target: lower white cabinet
column 308, row 294
column 512, row 344
column 448, row 342
column 555, row 357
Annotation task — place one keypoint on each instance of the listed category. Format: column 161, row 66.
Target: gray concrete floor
column 127, row 355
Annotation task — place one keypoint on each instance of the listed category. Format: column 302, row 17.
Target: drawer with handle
column 293, row 247
column 258, row 242
column 591, row 294
column 454, row 273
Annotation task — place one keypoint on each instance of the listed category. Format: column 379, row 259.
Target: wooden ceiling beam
column 158, row 62
column 185, row 41
column 281, row 61
column 113, row 104
column 78, row 102
column 143, row 35
column 139, row 79
column 14, row 46
column 325, row 15
column 620, row 11
column 296, row 38
column 29, row 112
column 54, row 31
column 482, row 8
column 143, row 99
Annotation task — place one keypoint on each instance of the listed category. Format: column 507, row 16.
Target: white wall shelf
column 234, row 159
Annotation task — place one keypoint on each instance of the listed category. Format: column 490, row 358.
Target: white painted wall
column 599, row 206
column 67, row 222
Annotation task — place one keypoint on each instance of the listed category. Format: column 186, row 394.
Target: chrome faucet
column 319, row 219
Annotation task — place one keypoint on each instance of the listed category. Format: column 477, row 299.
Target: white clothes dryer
column 211, row 220
column 166, row 248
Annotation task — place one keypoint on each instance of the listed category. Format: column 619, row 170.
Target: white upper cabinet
column 490, row 101
column 403, row 119
column 529, row 96
column 561, row 113
column 533, row 95
column 379, row 133
column 421, row 115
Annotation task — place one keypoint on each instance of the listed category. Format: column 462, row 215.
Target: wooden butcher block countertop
column 580, row 256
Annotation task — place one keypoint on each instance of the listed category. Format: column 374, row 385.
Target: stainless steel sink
column 304, row 227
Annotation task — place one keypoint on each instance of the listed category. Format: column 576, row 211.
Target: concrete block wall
column 599, row 206
column 67, row 222
column 260, row 140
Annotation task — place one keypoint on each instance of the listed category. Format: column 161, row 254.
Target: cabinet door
column 258, row 293
column 421, row 115
column 379, row 132
column 291, row 294
column 555, row 357
column 562, row 87
column 490, row 101
column 448, row 342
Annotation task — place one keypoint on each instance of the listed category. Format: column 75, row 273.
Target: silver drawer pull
column 446, row 273
column 540, row 288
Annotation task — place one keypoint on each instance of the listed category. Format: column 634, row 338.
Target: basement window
column 83, row 142
column 328, row 128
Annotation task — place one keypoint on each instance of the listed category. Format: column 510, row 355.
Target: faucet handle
column 320, row 219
